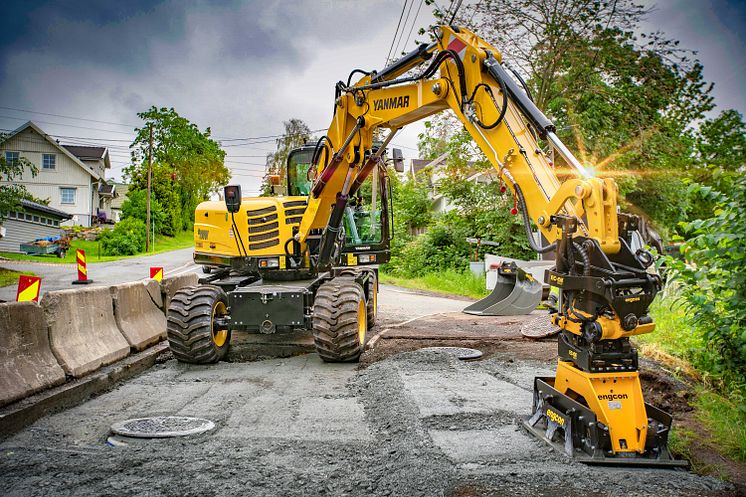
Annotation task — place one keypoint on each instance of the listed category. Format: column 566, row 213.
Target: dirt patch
column 674, row 396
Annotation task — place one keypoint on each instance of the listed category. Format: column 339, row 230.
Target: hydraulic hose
column 581, row 250
column 527, row 224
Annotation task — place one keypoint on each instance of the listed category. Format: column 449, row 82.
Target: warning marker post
column 28, row 289
column 156, row 273
column 82, row 269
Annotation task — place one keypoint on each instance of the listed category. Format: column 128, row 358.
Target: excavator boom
column 604, row 288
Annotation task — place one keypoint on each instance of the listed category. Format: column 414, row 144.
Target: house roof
column 86, row 167
column 34, row 206
column 121, row 195
column 89, row 153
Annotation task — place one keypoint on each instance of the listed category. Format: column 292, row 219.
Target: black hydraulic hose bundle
column 527, row 224
column 239, row 238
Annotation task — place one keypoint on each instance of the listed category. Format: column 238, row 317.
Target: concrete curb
column 138, row 312
column 18, row 415
column 27, row 364
column 82, row 330
column 172, row 284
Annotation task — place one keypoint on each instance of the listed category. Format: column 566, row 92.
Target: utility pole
column 150, row 169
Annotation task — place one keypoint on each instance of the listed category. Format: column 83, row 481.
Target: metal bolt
column 473, row 57
column 436, row 88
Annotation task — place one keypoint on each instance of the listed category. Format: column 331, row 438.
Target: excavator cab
column 367, row 219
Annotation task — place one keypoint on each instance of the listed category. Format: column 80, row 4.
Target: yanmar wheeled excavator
column 292, row 263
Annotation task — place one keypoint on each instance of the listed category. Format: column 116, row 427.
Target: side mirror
column 232, row 195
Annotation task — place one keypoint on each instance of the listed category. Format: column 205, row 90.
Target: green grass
column 449, row 282
column 163, row 243
column 673, row 333
column 726, row 419
column 679, row 344
column 10, row 277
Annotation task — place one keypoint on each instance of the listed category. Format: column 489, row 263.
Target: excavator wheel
column 371, row 304
column 340, row 320
column 193, row 335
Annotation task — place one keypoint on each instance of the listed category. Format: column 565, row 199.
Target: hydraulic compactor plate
column 573, row 429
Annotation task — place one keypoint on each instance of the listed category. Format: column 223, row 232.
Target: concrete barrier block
column 82, row 330
column 172, row 284
column 138, row 312
column 27, row 364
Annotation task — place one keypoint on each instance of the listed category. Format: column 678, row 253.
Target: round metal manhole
column 162, row 427
column 541, row 327
column 460, row 352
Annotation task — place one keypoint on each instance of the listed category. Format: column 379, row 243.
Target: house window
column 36, row 219
column 11, row 158
column 67, row 195
column 29, row 217
column 56, row 223
column 11, row 215
column 48, row 161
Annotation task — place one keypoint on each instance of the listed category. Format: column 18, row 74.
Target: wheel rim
column 362, row 322
column 219, row 335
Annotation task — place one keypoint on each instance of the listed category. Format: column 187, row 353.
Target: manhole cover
column 162, row 427
column 541, row 327
column 461, row 352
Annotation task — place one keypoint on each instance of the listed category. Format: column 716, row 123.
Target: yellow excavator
column 299, row 262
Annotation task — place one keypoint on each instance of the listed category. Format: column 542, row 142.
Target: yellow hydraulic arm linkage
column 593, row 409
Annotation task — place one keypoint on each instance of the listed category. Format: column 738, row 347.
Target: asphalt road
column 412, row 424
column 60, row 276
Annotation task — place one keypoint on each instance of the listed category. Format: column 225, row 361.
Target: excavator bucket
column 516, row 292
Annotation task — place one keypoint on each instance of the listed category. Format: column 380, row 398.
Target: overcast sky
column 242, row 67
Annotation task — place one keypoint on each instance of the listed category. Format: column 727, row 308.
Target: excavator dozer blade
column 516, row 292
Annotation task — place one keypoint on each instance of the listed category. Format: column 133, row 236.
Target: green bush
column 441, row 247
column 127, row 238
column 714, row 281
column 136, row 206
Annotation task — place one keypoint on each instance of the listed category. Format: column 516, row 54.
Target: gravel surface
column 414, row 424
column 402, row 423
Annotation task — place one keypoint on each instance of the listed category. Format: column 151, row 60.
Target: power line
column 388, row 57
column 406, row 19
column 414, row 22
column 68, row 125
column 68, row 117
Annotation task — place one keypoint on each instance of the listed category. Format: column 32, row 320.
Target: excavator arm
column 604, row 288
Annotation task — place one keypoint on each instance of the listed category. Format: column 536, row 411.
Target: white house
column 71, row 177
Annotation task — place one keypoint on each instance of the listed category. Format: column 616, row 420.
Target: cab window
column 362, row 217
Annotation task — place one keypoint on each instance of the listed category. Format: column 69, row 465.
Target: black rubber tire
column 335, row 320
column 371, row 306
column 189, row 325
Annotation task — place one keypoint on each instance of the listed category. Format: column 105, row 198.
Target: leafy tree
column 12, row 193
column 714, row 281
column 721, row 157
column 626, row 103
column 165, row 191
column 296, row 134
column 136, row 207
column 195, row 161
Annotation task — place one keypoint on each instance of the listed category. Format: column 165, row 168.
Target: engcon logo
column 557, row 279
column 391, row 103
column 554, row 416
column 613, row 396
